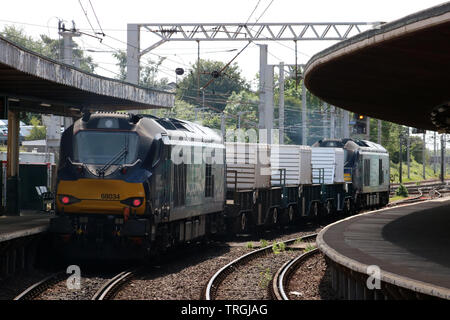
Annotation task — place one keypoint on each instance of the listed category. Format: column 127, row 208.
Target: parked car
column 4, row 135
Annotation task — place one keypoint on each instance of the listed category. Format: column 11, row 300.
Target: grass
column 264, row 243
column 265, row 278
column 416, row 172
column 278, row 247
column 4, row 148
column 396, row 198
column 309, row 247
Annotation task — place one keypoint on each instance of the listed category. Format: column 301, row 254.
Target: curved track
column 112, row 286
column 210, row 290
column 433, row 192
column 36, row 289
column 284, row 274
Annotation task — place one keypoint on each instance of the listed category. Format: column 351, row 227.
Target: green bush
column 402, row 191
column 37, row 133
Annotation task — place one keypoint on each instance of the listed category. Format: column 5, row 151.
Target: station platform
column 410, row 245
column 20, row 240
column 27, row 224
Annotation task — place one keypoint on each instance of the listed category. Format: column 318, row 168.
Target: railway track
column 413, row 188
column 421, row 183
column 36, row 289
column 419, row 195
column 107, row 290
column 113, row 285
column 211, row 288
column 280, row 281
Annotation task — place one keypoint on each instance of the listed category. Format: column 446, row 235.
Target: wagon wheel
column 347, row 207
column 275, row 216
column 329, row 207
column 315, row 209
column 291, row 214
column 243, row 221
column 315, row 212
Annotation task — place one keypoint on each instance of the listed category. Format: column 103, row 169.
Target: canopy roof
column 36, row 83
column 398, row 72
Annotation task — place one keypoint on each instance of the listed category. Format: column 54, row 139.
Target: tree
column 292, row 119
column 53, row 49
column 148, row 72
column 47, row 47
column 218, row 91
column 245, row 105
column 293, row 114
column 38, row 132
column 121, row 57
column 180, row 110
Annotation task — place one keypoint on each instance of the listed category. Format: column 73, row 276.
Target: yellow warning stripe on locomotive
column 100, row 196
column 347, row 177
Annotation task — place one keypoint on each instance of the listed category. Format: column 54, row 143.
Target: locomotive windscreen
column 101, row 147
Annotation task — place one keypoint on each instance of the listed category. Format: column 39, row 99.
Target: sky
column 41, row 17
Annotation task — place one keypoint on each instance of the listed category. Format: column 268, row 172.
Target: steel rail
column 414, row 188
column 36, row 289
column 210, row 290
column 110, row 288
column 284, row 274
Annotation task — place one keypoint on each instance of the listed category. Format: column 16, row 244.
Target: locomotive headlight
column 133, row 202
column 67, row 199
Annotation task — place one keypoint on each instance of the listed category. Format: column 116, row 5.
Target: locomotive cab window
column 101, row 147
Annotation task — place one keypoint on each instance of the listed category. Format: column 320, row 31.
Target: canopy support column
column 13, row 179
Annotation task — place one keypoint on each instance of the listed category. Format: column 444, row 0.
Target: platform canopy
column 399, row 72
column 34, row 83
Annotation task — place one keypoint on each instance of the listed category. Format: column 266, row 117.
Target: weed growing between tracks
column 265, row 277
column 278, row 247
column 309, row 247
column 264, row 243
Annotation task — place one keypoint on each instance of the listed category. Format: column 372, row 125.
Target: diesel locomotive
column 130, row 186
column 367, row 168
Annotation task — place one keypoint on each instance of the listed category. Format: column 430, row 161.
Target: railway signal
column 360, row 124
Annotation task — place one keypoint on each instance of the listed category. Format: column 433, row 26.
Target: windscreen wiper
column 118, row 156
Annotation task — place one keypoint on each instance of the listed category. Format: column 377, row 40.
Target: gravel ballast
column 311, row 281
column 185, row 279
